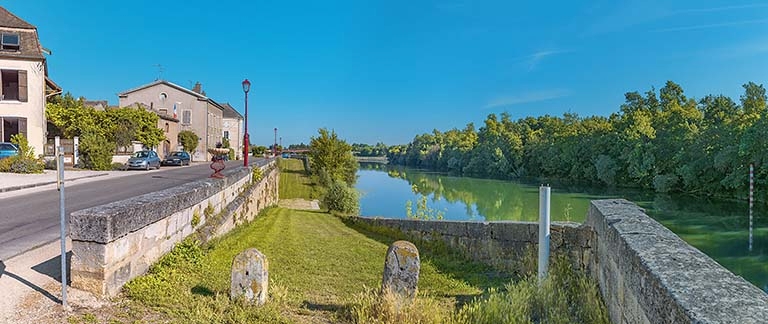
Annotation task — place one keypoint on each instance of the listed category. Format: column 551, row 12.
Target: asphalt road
column 31, row 220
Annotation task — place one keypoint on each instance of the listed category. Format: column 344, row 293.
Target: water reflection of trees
column 493, row 199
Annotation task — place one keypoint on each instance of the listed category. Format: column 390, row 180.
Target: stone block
column 250, row 277
column 401, row 270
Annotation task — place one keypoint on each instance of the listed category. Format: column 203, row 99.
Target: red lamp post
column 246, row 88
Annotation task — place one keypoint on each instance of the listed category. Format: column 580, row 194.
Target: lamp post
column 274, row 146
column 246, row 88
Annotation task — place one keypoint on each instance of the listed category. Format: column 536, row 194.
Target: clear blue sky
column 388, row 70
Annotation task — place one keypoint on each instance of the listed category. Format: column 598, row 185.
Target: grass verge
column 324, row 271
column 294, row 181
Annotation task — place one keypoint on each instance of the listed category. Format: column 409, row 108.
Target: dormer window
column 9, row 42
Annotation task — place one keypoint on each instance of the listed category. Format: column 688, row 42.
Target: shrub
column 342, row 199
column 118, row 166
column 24, row 162
column 195, row 218
column 23, row 144
column 188, row 140
column 565, row 296
column 96, row 152
column 26, row 165
column 256, row 175
column 422, row 211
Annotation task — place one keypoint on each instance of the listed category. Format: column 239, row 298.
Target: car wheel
column 147, row 168
column 158, row 167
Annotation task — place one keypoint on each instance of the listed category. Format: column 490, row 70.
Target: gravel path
column 300, row 204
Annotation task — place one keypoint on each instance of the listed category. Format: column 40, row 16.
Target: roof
column 52, row 85
column 7, row 19
column 30, row 44
column 170, row 84
column 231, row 112
column 175, row 86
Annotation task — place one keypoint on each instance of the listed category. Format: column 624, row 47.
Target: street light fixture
column 246, row 88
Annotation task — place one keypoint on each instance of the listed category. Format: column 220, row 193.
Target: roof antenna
column 160, row 70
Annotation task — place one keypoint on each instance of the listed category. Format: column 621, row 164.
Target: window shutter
column 23, row 127
column 23, row 86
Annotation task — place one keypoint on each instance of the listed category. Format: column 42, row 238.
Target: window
column 10, row 126
column 186, row 117
column 14, row 85
column 163, row 111
column 163, row 96
column 167, row 127
column 9, row 42
column 226, row 134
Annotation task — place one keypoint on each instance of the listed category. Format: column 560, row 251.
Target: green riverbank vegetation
column 323, row 269
column 660, row 140
column 334, row 168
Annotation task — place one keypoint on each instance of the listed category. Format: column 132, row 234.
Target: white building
column 24, row 83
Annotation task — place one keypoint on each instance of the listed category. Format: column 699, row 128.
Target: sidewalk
column 16, row 181
column 31, row 285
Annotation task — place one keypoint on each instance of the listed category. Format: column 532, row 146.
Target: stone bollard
column 401, row 270
column 250, row 277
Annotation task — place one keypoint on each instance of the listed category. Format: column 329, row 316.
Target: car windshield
column 178, row 154
column 7, row 147
column 141, row 154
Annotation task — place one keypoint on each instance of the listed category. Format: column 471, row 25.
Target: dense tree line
column 369, row 150
column 659, row 140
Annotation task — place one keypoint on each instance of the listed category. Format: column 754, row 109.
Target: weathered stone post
column 250, row 277
column 401, row 270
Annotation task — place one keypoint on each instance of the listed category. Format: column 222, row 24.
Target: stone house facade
column 24, row 83
column 233, row 129
column 189, row 109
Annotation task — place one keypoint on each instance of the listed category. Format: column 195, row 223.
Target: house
column 100, row 105
column 168, row 123
column 24, row 82
column 233, row 129
column 192, row 109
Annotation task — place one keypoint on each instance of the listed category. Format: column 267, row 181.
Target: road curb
column 40, row 184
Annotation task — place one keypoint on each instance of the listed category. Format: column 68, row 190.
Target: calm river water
column 719, row 228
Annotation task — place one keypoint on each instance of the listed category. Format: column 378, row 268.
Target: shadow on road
column 29, row 284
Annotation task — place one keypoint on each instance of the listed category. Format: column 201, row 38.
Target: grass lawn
column 318, row 266
column 294, row 183
column 323, row 271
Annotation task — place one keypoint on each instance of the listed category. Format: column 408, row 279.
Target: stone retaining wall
column 116, row 242
column 646, row 273
column 502, row 245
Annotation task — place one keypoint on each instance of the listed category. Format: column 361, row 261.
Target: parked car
column 143, row 160
column 177, row 158
column 8, row 150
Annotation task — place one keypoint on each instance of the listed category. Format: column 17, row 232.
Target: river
column 720, row 228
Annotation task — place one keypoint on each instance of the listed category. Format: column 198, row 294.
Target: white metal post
column 544, row 195
column 751, row 200
column 76, row 146
column 62, row 216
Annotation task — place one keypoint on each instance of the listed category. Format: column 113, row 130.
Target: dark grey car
column 143, row 160
column 176, row 158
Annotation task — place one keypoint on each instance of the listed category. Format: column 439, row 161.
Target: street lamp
column 246, row 88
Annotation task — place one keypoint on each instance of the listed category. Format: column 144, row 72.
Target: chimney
column 198, row 88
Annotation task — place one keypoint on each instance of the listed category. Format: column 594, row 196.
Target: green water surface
column 719, row 228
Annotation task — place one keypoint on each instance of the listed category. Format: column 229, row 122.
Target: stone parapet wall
column 647, row 274
column 502, row 245
column 116, row 242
